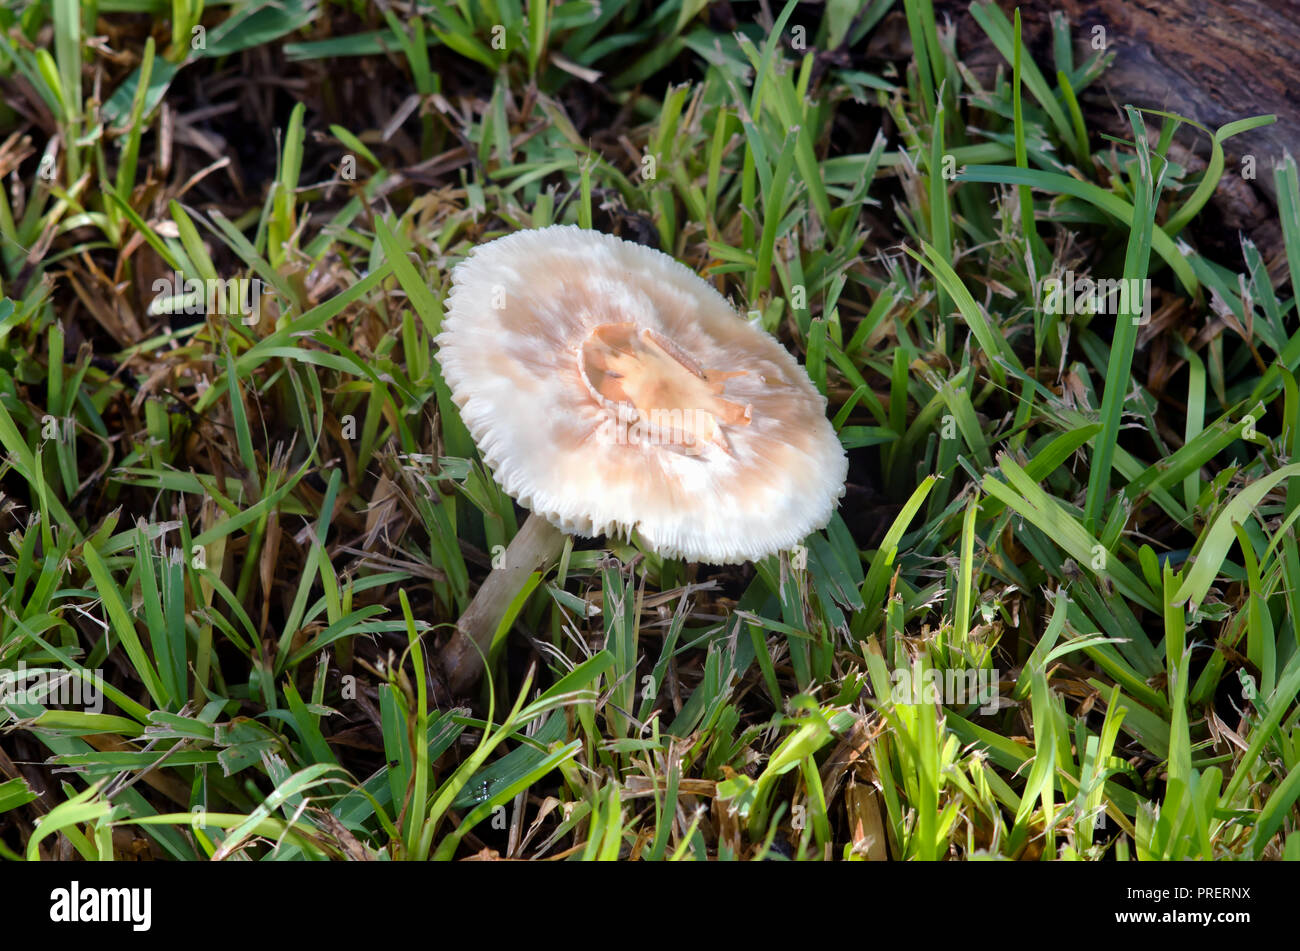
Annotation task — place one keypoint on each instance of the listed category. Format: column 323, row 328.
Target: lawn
column 1056, row 614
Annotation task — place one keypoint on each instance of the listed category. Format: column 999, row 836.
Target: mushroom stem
column 535, row 547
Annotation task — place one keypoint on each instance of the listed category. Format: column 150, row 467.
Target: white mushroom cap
column 611, row 389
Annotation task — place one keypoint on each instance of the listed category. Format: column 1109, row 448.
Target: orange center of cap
column 660, row 394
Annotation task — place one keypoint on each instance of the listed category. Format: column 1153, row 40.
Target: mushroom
column 611, row 390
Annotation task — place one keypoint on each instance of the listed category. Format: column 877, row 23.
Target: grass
column 255, row 532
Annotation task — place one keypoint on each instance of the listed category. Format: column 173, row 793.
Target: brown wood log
column 1210, row 60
